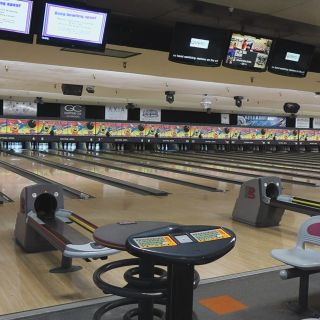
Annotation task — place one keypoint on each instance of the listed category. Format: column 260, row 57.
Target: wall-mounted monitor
column 198, row 45
column 66, row 24
column 247, row 52
column 15, row 20
column 290, row 58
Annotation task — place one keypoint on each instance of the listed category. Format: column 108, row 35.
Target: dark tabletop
column 183, row 244
column 115, row 235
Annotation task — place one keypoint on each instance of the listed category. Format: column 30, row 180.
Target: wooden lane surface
column 163, row 186
column 140, row 180
column 303, row 167
column 240, row 174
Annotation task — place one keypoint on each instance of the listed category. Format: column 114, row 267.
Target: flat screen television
column 73, row 25
column 16, row 20
column 248, row 52
column 197, row 45
column 290, row 58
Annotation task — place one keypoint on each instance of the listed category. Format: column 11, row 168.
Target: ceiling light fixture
column 206, row 102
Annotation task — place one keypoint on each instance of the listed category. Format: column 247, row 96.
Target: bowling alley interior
column 159, row 159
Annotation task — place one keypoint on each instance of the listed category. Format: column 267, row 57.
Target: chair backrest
column 309, row 232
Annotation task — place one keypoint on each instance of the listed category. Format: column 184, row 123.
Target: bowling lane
column 95, row 188
column 252, row 160
column 302, row 165
column 285, row 173
column 207, row 172
column 11, row 183
column 140, row 180
column 138, row 168
column 276, row 157
column 184, row 167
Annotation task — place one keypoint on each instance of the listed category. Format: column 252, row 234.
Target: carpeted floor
column 261, row 296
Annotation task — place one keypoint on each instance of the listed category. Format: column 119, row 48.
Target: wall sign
column 15, row 108
column 260, row 121
column 116, row 113
column 151, row 115
column 225, row 118
column 316, row 123
column 303, row 123
column 72, row 111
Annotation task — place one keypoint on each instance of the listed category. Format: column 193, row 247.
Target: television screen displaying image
column 291, row 58
column 198, row 45
column 15, row 20
column 73, row 26
column 248, row 52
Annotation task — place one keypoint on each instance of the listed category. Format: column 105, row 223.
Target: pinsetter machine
column 262, row 204
column 43, row 224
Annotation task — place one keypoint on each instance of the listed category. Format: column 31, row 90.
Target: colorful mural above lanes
column 309, row 135
column 282, row 134
column 21, row 126
column 3, row 126
column 169, row 131
column 208, row 132
column 134, row 130
column 262, row 134
column 81, row 128
column 151, row 130
column 110, row 129
column 47, row 127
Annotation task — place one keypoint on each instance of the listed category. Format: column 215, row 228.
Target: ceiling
column 144, row 90
column 32, row 78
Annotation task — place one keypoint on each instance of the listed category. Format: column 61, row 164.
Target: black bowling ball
column 90, row 125
column 140, row 127
column 32, row 124
column 186, row 129
column 45, row 206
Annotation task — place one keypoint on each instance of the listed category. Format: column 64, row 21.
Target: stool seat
column 306, row 259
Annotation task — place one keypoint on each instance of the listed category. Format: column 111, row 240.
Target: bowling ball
column 295, row 132
column 200, row 136
column 108, row 134
column 32, row 124
column 140, row 127
column 226, row 130
column 90, row 125
column 45, row 206
column 306, row 139
column 263, row 131
column 186, row 128
column 156, row 135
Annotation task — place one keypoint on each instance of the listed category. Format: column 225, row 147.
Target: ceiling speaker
column 71, row 89
column 291, row 107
